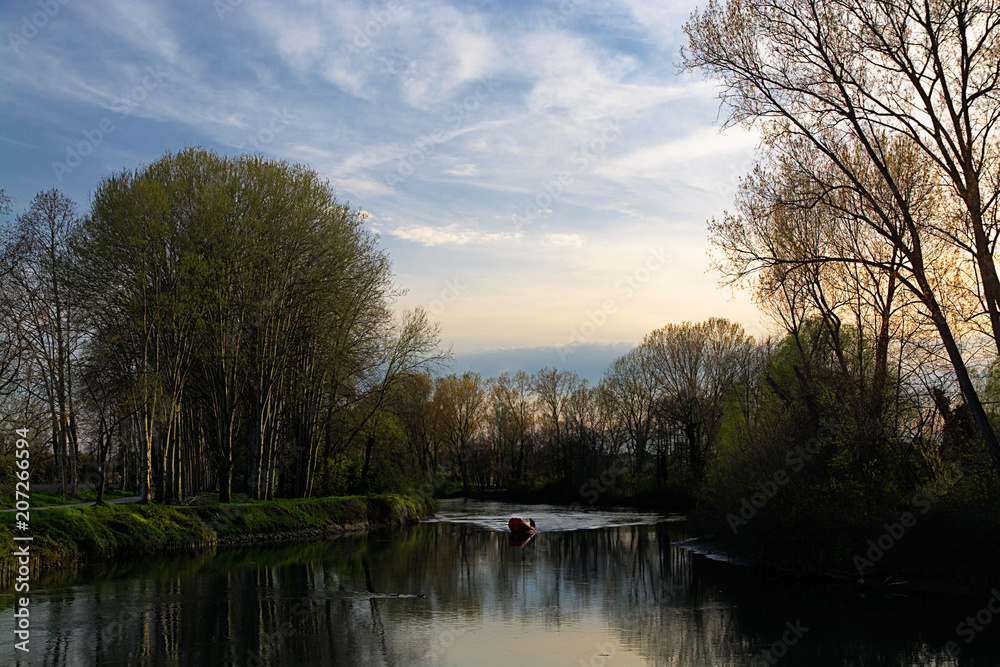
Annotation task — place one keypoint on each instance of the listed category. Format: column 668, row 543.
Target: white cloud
column 572, row 240
column 467, row 169
column 588, row 85
column 371, row 93
column 662, row 21
column 359, row 186
column 654, row 162
column 450, row 235
column 140, row 23
column 421, row 51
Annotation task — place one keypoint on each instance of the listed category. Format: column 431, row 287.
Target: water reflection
column 459, row 593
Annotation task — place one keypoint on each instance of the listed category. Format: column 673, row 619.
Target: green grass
column 277, row 516
column 67, row 536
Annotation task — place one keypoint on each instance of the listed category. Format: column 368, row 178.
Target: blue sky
column 540, row 173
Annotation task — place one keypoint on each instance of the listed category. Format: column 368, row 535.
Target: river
column 593, row 587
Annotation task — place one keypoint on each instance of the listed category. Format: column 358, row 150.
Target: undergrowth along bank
column 70, row 536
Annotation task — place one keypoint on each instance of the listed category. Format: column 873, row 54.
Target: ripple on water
column 493, row 516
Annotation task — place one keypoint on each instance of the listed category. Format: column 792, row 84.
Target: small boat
column 519, row 525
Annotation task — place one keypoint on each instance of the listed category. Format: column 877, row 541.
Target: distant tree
column 511, row 419
column 634, row 384
column 697, row 365
column 421, row 423
column 408, row 349
column 586, row 430
column 462, row 399
column 553, row 389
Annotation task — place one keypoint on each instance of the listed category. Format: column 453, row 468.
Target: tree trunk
column 965, row 383
column 57, row 452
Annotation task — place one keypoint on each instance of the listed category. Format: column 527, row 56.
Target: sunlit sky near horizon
column 540, row 173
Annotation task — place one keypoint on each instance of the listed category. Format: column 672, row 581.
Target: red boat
column 519, row 525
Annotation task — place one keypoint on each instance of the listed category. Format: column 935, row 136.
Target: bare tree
column 696, row 365
column 553, row 389
column 635, row 385
column 48, row 325
column 11, row 337
column 511, row 418
column 863, row 83
column 462, row 400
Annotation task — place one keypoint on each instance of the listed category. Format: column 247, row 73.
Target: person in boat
column 517, row 524
column 531, row 522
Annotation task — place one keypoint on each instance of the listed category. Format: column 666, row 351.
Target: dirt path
column 114, row 501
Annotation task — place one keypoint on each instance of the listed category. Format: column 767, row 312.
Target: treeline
column 210, row 321
column 647, row 429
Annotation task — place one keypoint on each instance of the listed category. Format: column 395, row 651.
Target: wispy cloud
column 443, row 119
column 450, row 235
column 467, row 169
column 654, row 162
column 568, row 240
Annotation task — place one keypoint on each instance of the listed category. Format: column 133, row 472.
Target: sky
column 540, row 173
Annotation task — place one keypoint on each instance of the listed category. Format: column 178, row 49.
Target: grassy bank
column 69, row 536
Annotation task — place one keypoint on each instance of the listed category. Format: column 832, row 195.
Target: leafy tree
column 553, row 389
column 250, row 309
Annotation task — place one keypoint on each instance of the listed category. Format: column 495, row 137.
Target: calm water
column 593, row 588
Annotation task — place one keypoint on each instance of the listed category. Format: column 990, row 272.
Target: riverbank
column 72, row 536
column 949, row 549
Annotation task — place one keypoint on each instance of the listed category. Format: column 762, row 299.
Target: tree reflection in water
column 459, row 593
